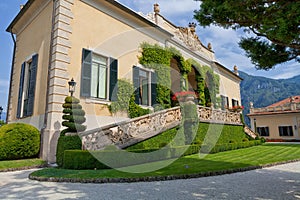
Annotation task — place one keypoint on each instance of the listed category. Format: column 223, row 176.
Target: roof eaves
column 223, row 67
column 20, row 14
column 135, row 14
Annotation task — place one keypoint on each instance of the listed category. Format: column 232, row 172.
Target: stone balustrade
column 291, row 107
column 132, row 131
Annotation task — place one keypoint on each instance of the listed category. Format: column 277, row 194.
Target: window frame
column 264, row 128
column 224, row 104
column 150, row 74
column 107, row 81
column 27, row 87
column 87, row 77
column 289, row 131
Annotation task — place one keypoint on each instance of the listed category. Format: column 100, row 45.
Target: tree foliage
column 274, row 24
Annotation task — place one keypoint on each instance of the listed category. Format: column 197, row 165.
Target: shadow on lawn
column 269, row 183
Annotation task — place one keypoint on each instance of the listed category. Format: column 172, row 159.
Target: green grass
column 253, row 156
column 20, row 164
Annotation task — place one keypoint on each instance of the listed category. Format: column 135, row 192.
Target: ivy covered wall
column 159, row 58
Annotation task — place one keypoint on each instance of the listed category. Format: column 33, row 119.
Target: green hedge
column 78, row 159
column 228, row 133
column 66, row 143
column 18, row 141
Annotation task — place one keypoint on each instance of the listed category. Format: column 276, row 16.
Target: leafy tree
column 275, row 25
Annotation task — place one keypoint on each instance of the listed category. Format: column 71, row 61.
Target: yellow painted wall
column 229, row 87
column 107, row 36
column 33, row 38
column 275, row 120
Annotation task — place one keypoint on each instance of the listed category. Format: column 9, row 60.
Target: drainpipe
column 48, row 81
column 11, row 74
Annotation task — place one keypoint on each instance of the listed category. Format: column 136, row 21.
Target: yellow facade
column 59, row 30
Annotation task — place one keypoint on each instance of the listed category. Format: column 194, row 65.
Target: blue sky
column 180, row 12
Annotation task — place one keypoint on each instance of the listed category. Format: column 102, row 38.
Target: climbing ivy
column 125, row 100
column 207, row 89
column 159, row 58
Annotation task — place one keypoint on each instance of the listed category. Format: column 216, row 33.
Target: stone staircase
column 129, row 132
column 249, row 132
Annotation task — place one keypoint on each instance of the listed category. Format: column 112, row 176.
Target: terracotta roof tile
column 286, row 101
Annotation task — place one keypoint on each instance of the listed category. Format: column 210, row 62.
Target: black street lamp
column 255, row 129
column 72, row 85
column 1, row 109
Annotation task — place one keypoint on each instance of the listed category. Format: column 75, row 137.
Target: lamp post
column 72, row 85
column 1, row 109
column 255, row 125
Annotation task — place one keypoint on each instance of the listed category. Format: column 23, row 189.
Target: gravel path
column 279, row 182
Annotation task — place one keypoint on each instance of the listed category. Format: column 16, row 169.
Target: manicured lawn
column 253, row 156
column 20, row 164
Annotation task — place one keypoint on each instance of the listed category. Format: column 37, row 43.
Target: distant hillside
column 265, row 91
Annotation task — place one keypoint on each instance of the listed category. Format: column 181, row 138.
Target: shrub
column 79, row 159
column 18, row 141
column 73, row 115
column 136, row 110
column 66, row 143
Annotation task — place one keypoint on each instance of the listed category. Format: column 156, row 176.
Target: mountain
column 264, row 91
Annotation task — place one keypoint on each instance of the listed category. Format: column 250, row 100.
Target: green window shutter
column 136, row 84
column 21, row 84
column 32, row 83
column 153, row 88
column 86, row 73
column 113, row 87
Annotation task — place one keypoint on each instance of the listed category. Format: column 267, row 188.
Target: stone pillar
column 190, row 119
column 58, row 77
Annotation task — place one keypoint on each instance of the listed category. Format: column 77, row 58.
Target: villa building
column 96, row 42
column 279, row 121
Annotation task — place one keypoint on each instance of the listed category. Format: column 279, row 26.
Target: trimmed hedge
column 19, row 141
column 66, row 143
column 79, row 159
column 229, row 133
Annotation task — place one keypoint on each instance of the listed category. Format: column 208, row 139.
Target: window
column 145, row 86
column 224, row 102
column 99, row 76
column 235, row 102
column 263, row 131
column 27, row 87
column 285, row 130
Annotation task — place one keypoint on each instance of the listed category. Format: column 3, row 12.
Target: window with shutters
column 27, row 87
column 144, row 81
column 235, row 102
column 285, row 130
column 224, row 102
column 263, row 131
column 99, row 76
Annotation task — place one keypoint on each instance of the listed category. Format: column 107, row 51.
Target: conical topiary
column 74, row 116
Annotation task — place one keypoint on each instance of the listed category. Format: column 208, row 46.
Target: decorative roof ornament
column 235, row 70
column 192, row 27
column 156, row 8
column 189, row 37
column 209, row 46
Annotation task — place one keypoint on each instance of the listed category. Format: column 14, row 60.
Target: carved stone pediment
column 189, row 38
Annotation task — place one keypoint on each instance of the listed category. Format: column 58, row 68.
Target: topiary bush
column 73, row 115
column 18, row 141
